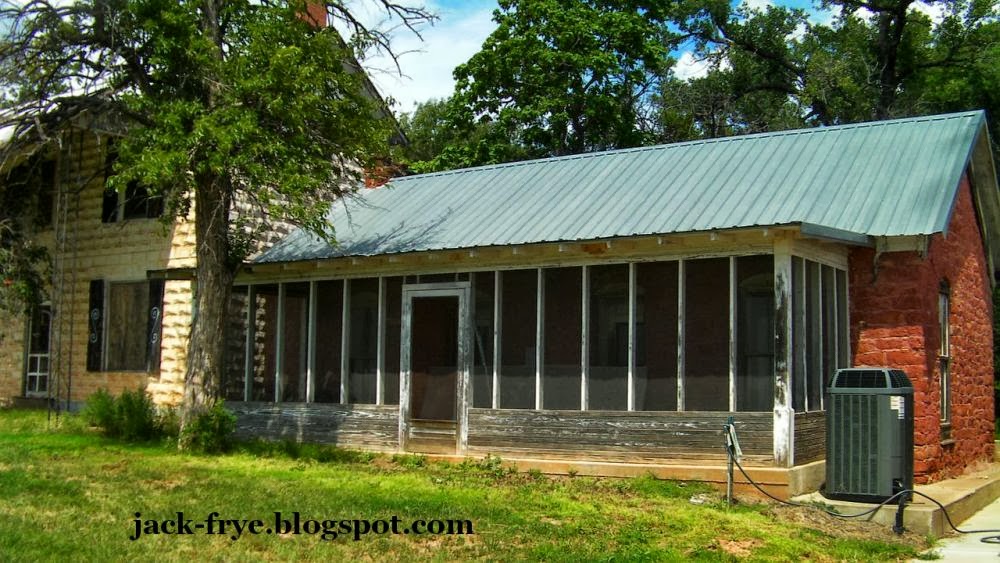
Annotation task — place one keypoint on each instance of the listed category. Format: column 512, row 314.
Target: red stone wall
column 894, row 322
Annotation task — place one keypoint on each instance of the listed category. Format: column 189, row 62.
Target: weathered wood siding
column 810, row 436
column 369, row 427
column 615, row 436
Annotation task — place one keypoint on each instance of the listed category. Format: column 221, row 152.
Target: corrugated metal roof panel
column 881, row 179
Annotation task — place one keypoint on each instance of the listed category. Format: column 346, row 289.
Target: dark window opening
column 134, row 203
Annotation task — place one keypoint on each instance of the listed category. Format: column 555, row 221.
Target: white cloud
column 427, row 65
column 761, row 5
column 798, row 33
column 688, row 66
column 936, row 12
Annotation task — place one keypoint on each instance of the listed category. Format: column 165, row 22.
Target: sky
column 459, row 33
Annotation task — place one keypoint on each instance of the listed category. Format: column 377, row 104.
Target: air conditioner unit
column 869, row 434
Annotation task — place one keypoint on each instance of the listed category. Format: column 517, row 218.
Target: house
column 607, row 313
column 122, row 281
column 120, row 302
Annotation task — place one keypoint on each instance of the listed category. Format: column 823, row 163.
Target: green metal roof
column 887, row 178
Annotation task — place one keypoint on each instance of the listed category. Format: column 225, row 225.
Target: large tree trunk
column 206, row 350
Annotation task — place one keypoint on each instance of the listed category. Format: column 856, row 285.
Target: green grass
column 68, row 494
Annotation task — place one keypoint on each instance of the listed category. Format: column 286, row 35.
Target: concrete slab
column 962, row 497
column 969, row 547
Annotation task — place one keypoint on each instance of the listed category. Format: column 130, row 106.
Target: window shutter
column 109, row 207
column 95, row 323
column 154, row 326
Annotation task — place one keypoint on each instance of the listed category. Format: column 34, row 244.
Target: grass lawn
column 68, row 494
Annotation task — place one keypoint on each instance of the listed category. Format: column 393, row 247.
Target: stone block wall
column 115, row 252
column 894, row 322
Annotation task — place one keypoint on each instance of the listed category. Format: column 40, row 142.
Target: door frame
column 462, row 290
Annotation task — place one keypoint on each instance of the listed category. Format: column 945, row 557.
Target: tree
column 873, row 61
column 220, row 102
column 566, row 76
column 443, row 135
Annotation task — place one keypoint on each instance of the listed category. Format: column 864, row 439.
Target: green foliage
column 210, row 431
column 562, row 77
column 559, row 77
column 131, row 416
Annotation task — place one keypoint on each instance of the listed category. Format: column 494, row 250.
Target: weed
column 131, row 416
column 210, row 431
column 410, row 461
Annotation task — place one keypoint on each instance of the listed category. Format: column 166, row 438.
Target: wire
column 994, row 539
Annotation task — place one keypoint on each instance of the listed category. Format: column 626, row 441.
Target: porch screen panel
column 562, row 320
column 829, row 290
column 755, row 333
column 656, row 336
column 329, row 321
column 391, row 335
column 608, row 377
column 814, row 342
column 295, row 343
column 236, row 345
column 482, row 340
column 706, row 336
column 264, row 343
column 798, row 336
column 517, row 372
column 364, row 341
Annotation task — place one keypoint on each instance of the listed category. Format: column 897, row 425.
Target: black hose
column 994, row 539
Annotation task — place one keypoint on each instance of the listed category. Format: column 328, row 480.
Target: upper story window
column 32, row 184
column 134, row 203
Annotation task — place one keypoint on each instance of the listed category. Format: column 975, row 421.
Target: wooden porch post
column 784, row 414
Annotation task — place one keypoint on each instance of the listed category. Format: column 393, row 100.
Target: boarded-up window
column 562, row 321
column 234, row 382
column 295, row 342
column 706, row 335
column 608, row 381
column 329, row 325
column 364, row 340
column 656, row 336
column 264, row 343
column 128, row 307
column 482, row 340
column 755, row 333
column 518, row 329
column 392, row 328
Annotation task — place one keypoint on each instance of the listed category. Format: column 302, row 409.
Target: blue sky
column 463, row 25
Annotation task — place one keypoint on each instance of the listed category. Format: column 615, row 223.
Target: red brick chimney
column 315, row 14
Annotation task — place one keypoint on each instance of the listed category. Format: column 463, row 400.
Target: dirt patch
column 856, row 528
column 739, row 548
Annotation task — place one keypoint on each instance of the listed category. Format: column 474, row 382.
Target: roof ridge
column 696, row 142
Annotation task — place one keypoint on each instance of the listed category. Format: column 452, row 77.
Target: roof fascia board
column 908, row 243
column 821, row 232
column 945, row 220
column 986, row 198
